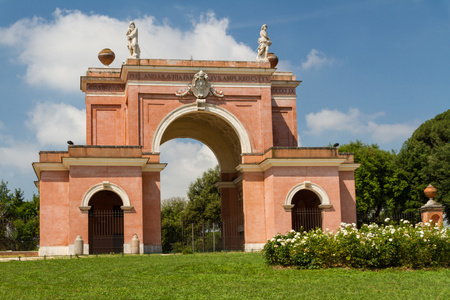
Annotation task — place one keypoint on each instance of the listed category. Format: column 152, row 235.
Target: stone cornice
column 109, row 161
column 153, row 167
column 290, row 162
column 38, row 167
column 67, row 162
column 349, row 167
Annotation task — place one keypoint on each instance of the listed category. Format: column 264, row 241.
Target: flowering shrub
column 372, row 246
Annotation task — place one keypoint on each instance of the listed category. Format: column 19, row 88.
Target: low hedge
column 372, row 247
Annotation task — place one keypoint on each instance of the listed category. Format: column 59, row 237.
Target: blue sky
column 371, row 70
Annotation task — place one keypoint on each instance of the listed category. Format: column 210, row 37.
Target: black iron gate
column 105, row 231
column 306, row 219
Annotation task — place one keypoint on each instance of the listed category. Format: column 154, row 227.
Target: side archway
column 106, row 186
column 222, row 113
column 307, row 185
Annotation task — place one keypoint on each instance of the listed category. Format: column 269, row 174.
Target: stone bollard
column 135, row 245
column 78, row 245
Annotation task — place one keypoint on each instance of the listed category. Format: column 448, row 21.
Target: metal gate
column 306, row 219
column 105, row 231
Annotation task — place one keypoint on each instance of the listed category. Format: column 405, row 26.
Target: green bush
column 372, row 247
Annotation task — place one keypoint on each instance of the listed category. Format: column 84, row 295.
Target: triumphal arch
column 244, row 111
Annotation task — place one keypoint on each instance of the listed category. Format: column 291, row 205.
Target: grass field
column 208, row 276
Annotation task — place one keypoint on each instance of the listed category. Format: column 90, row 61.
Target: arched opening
column 105, row 223
column 306, row 214
column 221, row 137
column 436, row 219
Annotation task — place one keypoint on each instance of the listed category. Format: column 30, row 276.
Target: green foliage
column 377, row 181
column 204, row 199
column 19, row 220
column 425, row 159
column 171, row 231
column 372, row 247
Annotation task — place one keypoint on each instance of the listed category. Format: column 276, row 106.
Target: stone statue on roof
column 133, row 45
column 264, row 43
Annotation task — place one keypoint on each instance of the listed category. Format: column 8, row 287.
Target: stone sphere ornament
column 106, row 56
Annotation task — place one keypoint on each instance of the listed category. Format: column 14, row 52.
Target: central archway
column 226, row 137
column 215, row 110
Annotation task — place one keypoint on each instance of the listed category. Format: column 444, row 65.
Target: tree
column 204, row 199
column 19, row 219
column 171, row 228
column 425, row 159
column 377, row 181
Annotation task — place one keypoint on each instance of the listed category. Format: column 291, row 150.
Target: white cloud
column 357, row 124
column 386, row 133
column 187, row 161
column 335, row 120
column 54, row 124
column 316, row 59
column 56, row 52
column 16, row 155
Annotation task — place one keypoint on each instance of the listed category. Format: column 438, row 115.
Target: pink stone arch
column 106, row 186
column 231, row 119
column 310, row 186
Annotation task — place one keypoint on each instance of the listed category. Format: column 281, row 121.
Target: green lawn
column 208, row 276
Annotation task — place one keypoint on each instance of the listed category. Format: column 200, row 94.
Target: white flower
column 390, row 240
column 387, row 220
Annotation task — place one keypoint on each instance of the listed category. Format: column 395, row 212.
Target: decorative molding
column 310, row 186
column 200, row 87
column 211, row 109
column 153, row 167
column 287, row 207
column 38, row 167
column 126, row 209
column 325, row 206
column 283, row 91
column 84, row 208
column 290, row 162
column 106, row 186
column 104, row 161
column 105, row 87
column 95, row 161
column 349, row 167
column 238, row 180
column 182, row 77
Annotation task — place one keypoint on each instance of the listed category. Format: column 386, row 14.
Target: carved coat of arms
column 200, row 87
